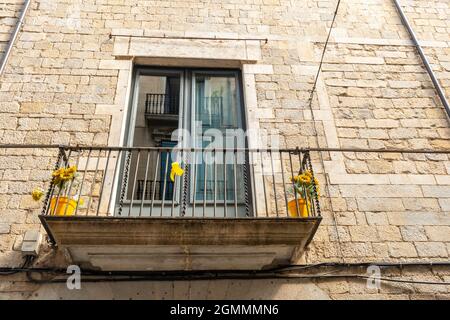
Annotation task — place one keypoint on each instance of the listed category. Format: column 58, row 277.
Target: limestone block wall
column 9, row 13
column 68, row 81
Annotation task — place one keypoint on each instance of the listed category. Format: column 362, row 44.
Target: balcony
column 227, row 210
column 162, row 106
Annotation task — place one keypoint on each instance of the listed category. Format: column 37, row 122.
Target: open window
column 192, row 110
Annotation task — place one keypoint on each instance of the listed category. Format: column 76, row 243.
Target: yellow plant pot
column 302, row 206
column 65, row 207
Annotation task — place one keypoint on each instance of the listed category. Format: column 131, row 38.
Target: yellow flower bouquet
column 306, row 188
column 62, row 203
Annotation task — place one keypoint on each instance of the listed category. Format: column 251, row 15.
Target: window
column 189, row 108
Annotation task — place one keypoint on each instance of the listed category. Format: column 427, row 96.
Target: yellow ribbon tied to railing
column 175, row 171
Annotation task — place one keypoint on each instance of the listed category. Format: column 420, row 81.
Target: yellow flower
column 69, row 173
column 175, row 171
column 57, row 173
column 72, row 169
column 308, row 173
column 303, row 178
column 66, row 176
column 37, row 194
column 63, row 174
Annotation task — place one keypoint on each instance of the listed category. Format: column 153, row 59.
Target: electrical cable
column 277, row 269
column 27, row 261
column 323, row 51
column 242, row 277
column 362, row 264
column 281, row 268
column 279, row 273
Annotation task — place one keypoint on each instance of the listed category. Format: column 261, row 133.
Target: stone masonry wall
column 9, row 13
column 64, row 85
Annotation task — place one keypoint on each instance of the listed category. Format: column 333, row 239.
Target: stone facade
column 67, row 82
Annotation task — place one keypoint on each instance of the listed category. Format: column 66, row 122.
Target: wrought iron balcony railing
column 161, row 104
column 215, row 183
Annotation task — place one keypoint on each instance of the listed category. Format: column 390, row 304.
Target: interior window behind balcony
column 156, row 117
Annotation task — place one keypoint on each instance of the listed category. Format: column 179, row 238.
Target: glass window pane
column 157, row 116
column 216, row 102
column 217, row 106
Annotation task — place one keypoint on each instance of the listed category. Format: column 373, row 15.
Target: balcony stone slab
column 162, row 244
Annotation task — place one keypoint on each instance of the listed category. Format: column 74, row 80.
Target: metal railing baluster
column 302, row 170
column 316, row 198
column 225, row 184
column 82, row 181
column 252, row 170
column 185, row 181
column 274, row 184
column 293, row 184
column 126, row 174
column 264, row 184
column 205, row 174
column 246, row 186
column 138, row 158
column 164, row 184
column 71, row 182
column 103, row 182
column 93, row 184
column 215, row 182
column 64, row 162
column 116, row 167
column 195, row 184
column 235, row 183
column 174, row 191
column 158, row 156
column 145, row 183
column 284, row 183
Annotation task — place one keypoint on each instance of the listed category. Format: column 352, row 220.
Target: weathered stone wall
column 9, row 14
column 64, row 85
